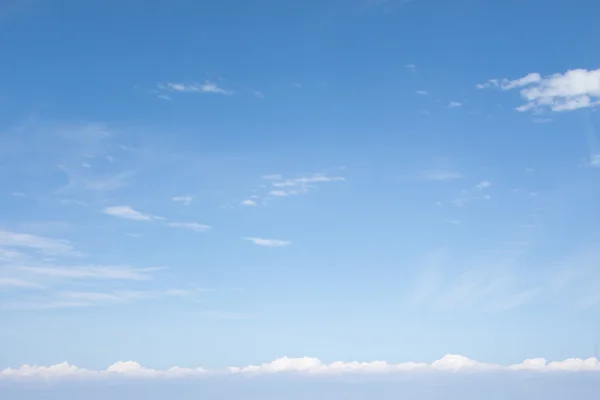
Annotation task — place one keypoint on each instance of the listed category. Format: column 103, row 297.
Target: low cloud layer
column 450, row 363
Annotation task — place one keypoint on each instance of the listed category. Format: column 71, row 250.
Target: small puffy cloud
column 421, row 92
column 268, row 242
column 127, row 212
column 185, row 200
column 248, row 202
column 578, row 88
column 454, row 104
column 206, row 87
column 193, row 226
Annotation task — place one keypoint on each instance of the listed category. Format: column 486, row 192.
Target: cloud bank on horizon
column 304, row 365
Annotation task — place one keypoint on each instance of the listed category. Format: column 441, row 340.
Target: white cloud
column 127, row 212
column 249, row 202
column 85, row 182
column 82, row 299
column 225, row 315
column 475, row 193
column 411, row 67
column 10, row 255
column 110, row 297
column 595, row 160
column 271, row 177
column 268, row 242
column 206, row 87
column 442, row 175
column 193, row 226
column 506, row 84
column 91, row 272
column 454, row 104
column 283, row 193
column 578, row 88
column 483, row 185
column 421, row 92
column 45, row 305
column 451, row 363
column 44, row 244
column 456, row 222
column 316, row 178
column 126, row 369
column 185, row 200
column 299, row 185
column 18, row 283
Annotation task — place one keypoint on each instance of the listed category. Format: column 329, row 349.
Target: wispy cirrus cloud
column 43, row 244
column 87, row 182
column 574, row 89
column 477, row 192
column 193, row 226
column 268, row 242
column 272, row 177
column 454, row 104
column 304, row 180
column 281, row 187
column 84, row 299
column 185, row 200
column 90, row 272
column 442, row 175
column 127, row 212
column 18, row 283
column 206, row 87
column 489, row 290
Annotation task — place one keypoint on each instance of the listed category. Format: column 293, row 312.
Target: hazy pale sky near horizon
column 224, row 184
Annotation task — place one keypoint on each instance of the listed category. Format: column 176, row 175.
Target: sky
column 292, row 188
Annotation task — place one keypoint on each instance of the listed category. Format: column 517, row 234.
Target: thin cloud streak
column 91, row 272
column 268, row 242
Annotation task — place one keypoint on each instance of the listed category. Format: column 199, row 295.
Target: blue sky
column 227, row 183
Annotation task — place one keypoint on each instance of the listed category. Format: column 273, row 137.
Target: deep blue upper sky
column 223, row 183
